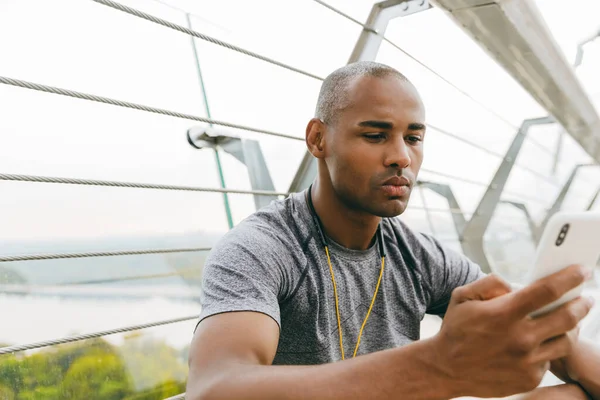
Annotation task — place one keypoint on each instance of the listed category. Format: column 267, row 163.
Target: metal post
column 246, row 151
column 557, row 152
column 207, row 109
column 446, row 191
column 427, row 212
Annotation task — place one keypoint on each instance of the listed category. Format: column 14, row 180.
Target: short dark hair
column 333, row 94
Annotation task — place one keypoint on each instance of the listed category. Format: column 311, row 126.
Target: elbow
column 198, row 390
column 204, row 385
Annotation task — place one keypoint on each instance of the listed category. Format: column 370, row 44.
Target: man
column 313, row 280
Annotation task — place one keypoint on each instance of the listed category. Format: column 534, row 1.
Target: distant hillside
column 62, row 271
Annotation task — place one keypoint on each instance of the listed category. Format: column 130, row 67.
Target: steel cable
column 57, row 256
column 90, row 182
column 202, row 36
column 76, row 338
column 106, row 100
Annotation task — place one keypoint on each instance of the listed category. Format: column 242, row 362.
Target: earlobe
column 315, row 138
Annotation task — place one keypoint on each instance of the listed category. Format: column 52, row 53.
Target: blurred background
column 100, row 280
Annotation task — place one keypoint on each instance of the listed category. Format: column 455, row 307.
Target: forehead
column 389, row 98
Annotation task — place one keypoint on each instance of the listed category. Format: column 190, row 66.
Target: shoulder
column 274, row 230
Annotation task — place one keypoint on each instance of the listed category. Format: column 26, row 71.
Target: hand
column 488, row 346
column 562, row 367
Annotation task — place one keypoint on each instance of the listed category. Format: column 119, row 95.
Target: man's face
column 375, row 145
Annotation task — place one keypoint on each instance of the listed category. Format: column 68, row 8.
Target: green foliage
column 6, row 393
column 160, row 392
column 140, row 369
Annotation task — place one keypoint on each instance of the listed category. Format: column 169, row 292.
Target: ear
column 315, row 137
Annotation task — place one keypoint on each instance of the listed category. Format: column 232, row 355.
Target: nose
column 397, row 154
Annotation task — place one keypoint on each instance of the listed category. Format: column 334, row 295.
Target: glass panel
column 444, row 226
column 446, row 52
column 468, row 194
column 358, row 9
column 535, row 156
column 77, row 138
column 465, row 118
column 546, row 136
column 452, row 157
column 417, row 220
column 242, row 206
column 536, row 209
column 146, row 364
column 284, row 37
column 530, row 188
column 282, row 156
column 596, row 205
column 443, row 223
column 134, row 60
column 570, row 25
column 435, row 200
column 509, row 244
column 416, row 198
column 62, row 294
column 583, row 189
column 588, row 71
column 572, row 154
column 72, row 212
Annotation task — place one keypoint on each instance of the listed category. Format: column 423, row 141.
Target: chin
column 393, row 208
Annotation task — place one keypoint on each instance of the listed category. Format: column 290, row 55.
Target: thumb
column 485, row 288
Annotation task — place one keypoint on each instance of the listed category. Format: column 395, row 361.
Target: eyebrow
column 376, row 124
column 414, row 126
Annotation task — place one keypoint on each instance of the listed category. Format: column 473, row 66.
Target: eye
column 375, row 136
column 414, row 139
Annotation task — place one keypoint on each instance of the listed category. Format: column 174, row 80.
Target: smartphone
column 569, row 238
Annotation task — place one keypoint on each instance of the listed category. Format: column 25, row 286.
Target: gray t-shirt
column 274, row 263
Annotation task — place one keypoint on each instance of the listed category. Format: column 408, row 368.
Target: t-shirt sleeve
column 447, row 270
column 242, row 273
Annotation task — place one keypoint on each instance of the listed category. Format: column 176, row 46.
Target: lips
column 397, row 186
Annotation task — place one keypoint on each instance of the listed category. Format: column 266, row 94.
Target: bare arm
column 231, row 356
column 581, row 366
column 560, row 392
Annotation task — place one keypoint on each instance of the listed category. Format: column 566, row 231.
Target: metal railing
column 120, row 103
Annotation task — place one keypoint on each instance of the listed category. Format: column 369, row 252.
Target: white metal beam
column 514, row 33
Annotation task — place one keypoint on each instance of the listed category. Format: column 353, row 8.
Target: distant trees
column 139, row 369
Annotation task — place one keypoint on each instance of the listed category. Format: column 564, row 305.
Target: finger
column 553, row 349
column 547, row 290
column 562, row 320
column 483, row 289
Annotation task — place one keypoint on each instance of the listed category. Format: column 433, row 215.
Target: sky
column 92, row 48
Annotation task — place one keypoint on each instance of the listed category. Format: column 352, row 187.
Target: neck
column 350, row 228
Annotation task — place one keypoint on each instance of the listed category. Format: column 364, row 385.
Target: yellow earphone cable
column 337, row 308
column 370, row 307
